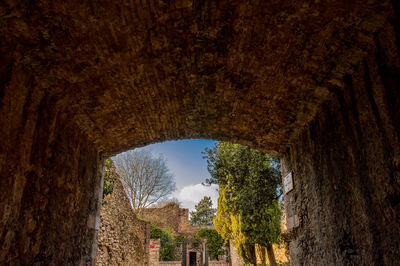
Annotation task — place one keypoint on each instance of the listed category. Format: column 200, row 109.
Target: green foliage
column 167, row 236
column 244, row 169
column 264, row 226
column 244, row 245
column 179, row 240
column 222, row 221
column 250, row 184
column 203, row 213
column 214, row 242
column 108, row 185
column 155, row 231
column 196, row 242
column 167, row 241
column 167, row 252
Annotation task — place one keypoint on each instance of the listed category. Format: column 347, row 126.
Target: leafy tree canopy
column 167, row 241
column 203, row 213
column 249, row 186
column 214, row 242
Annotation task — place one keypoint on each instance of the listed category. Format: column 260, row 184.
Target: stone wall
column 170, row 216
column 154, row 252
column 51, row 179
column 83, row 80
column 170, row 263
column 123, row 238
column 217, row 263
column 345, row 206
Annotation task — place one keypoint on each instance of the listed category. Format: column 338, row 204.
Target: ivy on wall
column 109, row 181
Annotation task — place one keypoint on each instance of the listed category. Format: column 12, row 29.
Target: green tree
column 248, row 209
column 222, row 221
column 215, row 242
column 203, row 213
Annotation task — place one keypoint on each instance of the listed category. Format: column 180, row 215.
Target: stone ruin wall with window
column 123, row 238
column 170, row 216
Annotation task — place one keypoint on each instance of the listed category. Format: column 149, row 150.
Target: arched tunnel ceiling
column 134, row 72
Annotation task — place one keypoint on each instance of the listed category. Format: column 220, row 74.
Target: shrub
column 108, row 185
column 167, row 241
column 155, row 231
column 214, row 242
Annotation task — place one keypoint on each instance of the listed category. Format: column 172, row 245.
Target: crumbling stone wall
column 51, row 179
column 169, row 263
column 123, row 238
column 154, row 252
column 80, row 81
column 346, row 170
column 170, row 216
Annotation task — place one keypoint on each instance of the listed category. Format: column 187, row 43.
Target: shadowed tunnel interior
column 313, row 82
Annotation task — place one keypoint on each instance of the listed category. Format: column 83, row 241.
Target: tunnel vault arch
column 314, row 82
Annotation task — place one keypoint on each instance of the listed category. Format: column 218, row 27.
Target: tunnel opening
column 185, row 165
column 314, row 83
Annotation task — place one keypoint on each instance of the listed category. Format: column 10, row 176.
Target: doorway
column 192, row 259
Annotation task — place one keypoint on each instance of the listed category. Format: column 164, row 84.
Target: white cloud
column 190, row 195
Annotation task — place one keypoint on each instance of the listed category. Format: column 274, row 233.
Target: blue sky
column 184, row 159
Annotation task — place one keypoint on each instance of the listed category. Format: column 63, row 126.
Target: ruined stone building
column 176, row 218
column 315, row 83
column 124, row 237
column 170, row 216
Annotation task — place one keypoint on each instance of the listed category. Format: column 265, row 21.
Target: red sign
column 152, row 246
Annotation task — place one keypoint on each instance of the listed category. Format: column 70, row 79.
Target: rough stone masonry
column 123, row 238
column 314, row 82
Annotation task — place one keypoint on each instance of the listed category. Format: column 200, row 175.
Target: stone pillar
column 184, row 253
column 345, row 205
column 205, row 253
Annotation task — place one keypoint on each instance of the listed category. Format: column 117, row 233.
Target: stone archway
column 315, row 83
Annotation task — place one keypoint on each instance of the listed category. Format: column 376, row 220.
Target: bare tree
column 146, row 179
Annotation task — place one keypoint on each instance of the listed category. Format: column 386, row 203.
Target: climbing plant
column 109, row 180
